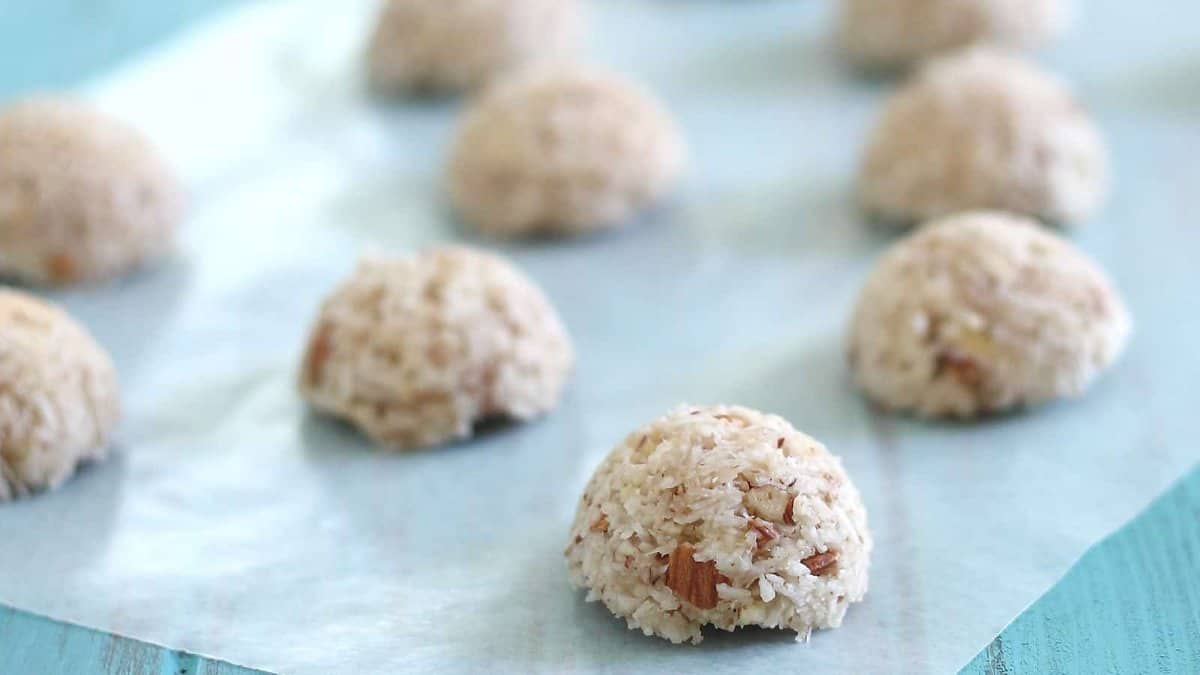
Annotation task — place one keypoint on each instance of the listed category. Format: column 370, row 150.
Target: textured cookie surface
column 982, row 312
column 416, row 350
column 82, row 196
column 562, row 151
column 893, row 34
column 721, row 516
column 58, row 396
column 450, row 45
column 981, row 130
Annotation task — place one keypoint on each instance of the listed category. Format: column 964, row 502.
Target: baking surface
column 226, row 498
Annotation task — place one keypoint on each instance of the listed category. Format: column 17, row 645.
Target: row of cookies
column 710, row 515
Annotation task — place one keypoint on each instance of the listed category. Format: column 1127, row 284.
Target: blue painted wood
column 35, row 645
column 1131, row 604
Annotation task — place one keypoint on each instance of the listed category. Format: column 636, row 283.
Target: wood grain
column 1130, row 605
column 35, row 645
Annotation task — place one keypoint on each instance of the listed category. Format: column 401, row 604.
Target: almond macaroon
column 983, row 130
column 59, row 401
column 416, row 350
column 562, row 151
column 83, row 197
column 982, row 313
column 888, row 35
column 454, row 45
column 720, row 516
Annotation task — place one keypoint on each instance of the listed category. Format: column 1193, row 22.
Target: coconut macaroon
column 83, row 197
column 981, row 313
column 895, row 34
column 721, row 516
column 59, row 401
column 982, row 130
column 452, row 45
column 562, row 151
column 417, row 350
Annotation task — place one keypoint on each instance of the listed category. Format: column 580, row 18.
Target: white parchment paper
column 232, row 523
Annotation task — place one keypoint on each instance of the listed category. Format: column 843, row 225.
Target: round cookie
column 416, row 350
column 59, row 400
column 452, row 45
column 562, row 151
column 980, row 313
column 896, row 34
column 721, row 516
column 83, row 197
column 982, row 130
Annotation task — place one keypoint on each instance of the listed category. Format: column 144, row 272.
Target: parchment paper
column 232, row 523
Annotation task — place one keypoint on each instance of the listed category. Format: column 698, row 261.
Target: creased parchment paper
column 232, row 523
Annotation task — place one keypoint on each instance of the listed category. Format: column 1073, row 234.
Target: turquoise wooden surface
column 1131, row 605
column 34, row 645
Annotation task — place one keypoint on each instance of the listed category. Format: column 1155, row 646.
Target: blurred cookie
column 416, row 350
column 83, row 197
column 721, row 516
column 562, row 151
column 896, row 34
column 59, row 400
column 981, row 130
column 452, row 45
column 980, row 313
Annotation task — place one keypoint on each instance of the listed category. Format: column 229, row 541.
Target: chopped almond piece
column 822, row 564
column 694, row 582
column 318, row 353
column 765, row 532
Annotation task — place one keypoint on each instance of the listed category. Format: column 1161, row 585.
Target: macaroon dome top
column 83, row 197
column 562, row 150
column 980, row 313
column 983, row 130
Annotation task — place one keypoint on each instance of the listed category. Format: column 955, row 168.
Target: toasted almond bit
column 960, row 367
column 767, row 502
column 434, row 291
column 62, row 268
column 641, row 442
column 601, row 524
column 788, row 516
column 628, row 561
column 764, row 531
column 822, row 564
column 439, row 354
column 318, row 353
column 779, row 443
column 730, row 419
column 578, row 539
column 694, row 582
